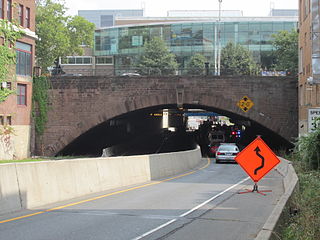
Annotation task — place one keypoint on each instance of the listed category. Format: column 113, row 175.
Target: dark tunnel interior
column 141, row 132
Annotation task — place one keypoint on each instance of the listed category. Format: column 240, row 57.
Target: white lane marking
column 190, row 211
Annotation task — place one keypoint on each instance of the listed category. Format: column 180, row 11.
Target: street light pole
column 219, row 38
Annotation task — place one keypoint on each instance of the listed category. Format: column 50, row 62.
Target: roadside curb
column 281, row 210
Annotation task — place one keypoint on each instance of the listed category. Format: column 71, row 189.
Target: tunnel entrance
column 168, row 129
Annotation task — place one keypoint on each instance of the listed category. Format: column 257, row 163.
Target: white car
column 130, row 74
column 227, row 152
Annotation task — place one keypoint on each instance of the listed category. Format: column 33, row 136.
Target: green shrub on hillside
column 308, row 148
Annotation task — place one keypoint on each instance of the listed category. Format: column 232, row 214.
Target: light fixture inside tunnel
column 165, row 118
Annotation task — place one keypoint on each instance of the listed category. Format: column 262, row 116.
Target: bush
column 308, row 148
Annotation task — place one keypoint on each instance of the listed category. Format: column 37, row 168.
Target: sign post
column 257, row 159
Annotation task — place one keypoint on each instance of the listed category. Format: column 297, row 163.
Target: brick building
column 309, row 64
column 16, row 110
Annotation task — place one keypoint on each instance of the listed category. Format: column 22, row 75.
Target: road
column 154, row 210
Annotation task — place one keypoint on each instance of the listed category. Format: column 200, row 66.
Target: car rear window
column 228, row 148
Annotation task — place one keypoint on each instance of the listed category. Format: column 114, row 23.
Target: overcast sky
column 158, row 8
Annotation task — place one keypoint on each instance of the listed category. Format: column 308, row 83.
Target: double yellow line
column 105, row 195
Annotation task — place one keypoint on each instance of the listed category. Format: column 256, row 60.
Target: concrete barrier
column 29, row 185
column 281, row 210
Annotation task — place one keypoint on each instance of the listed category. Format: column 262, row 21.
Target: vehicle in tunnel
column 142, row 132
column 227, row 152
column 213, row 149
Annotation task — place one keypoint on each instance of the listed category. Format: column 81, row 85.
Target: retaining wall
column 28, row 185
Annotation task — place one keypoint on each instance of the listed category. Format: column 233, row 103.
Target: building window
column 306, row 8
column 9, row 120
column 1, row 120
column 22, row 94
column 104, row 60
column 20, row 12
column 300, row 60
column 1, row 8
column 24, row 59
column 27, row 18
column 76, row 60
column 9, row 10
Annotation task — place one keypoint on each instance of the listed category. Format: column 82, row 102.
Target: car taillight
column 220, row 153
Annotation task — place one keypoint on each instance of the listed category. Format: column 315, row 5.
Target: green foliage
column 40, row 100
column 308, row 148
column 196, row 66
column 157, row 59
column 286, row 51
column 9, row 32
column 237, row 60
column 305, row 225
column 59, row 35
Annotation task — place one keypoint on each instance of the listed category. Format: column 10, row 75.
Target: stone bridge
column 81, row 103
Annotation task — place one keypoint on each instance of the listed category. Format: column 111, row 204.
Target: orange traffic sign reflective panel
column 257, row 159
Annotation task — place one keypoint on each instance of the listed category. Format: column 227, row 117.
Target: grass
column 304, row 224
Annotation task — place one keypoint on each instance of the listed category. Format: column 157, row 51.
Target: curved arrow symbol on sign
column 257, row 150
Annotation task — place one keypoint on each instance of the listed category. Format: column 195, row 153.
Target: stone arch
column 105, row 98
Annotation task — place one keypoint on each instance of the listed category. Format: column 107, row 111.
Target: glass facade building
column 186, row 39
column 106, row 18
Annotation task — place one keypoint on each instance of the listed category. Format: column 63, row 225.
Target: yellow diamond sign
column 245, row 104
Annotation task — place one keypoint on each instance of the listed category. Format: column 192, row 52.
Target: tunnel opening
column 143, row 132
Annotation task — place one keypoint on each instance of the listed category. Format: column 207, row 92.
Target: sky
column 159, row 8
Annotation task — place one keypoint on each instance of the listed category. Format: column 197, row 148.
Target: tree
column 286, row 53
column 237, row 60
column 59, row 35
column 9, row 33
column 157, row 59
column 196, row 66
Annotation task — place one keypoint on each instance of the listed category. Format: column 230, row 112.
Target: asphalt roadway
column 201, row 204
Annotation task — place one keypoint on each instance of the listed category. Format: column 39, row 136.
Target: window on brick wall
column 9, row 10
column 9, row 120
column 20, row 12
column 1, row 8
column 1, row 120
column 23, row 59
column 300, row 60
column 22, row 94
column 27, row 23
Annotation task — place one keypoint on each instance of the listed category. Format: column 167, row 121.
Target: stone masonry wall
column 80, row 103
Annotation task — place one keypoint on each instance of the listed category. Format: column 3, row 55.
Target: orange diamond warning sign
column 257, row 159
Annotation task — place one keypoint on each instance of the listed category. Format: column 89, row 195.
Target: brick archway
column 81, row 103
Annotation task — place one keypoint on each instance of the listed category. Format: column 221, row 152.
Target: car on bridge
column 227, row 152
column 130, row 74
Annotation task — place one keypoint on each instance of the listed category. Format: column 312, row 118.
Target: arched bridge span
column 81, row 103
